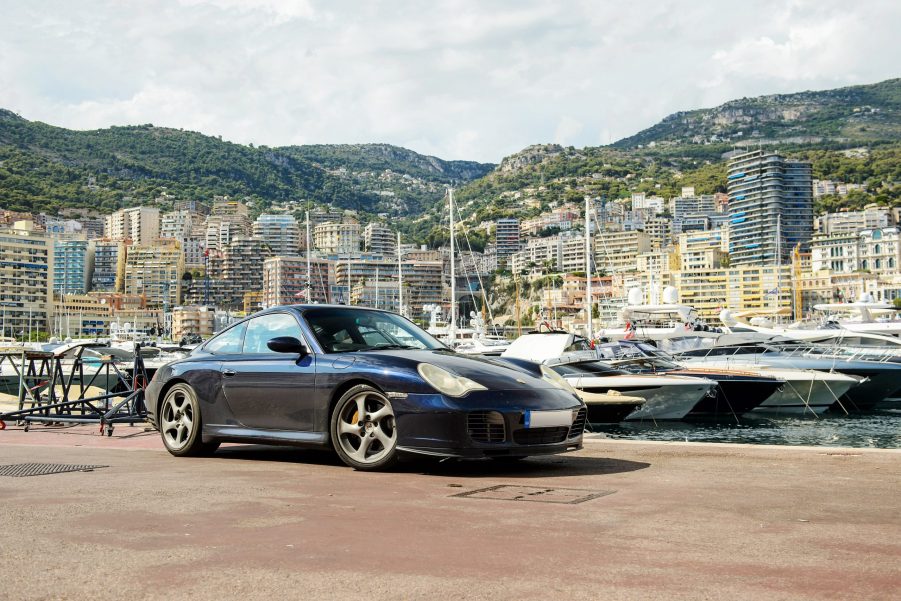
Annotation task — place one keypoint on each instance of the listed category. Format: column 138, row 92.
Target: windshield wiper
column 383, row 347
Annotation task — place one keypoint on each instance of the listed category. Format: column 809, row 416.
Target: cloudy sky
column 462, row 80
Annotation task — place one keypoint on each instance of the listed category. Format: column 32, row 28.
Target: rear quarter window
column 228, row 342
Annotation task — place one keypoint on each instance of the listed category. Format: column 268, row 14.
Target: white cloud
column 459, row 79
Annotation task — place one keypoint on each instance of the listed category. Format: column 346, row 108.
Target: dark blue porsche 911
column 369, row 383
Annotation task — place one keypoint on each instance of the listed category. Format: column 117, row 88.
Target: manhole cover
column 537, row 494
column 19, row 470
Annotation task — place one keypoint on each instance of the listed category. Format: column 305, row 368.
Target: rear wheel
column 181, row 423
column 364, row 430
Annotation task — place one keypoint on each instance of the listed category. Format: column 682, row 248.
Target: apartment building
column 378, row 239
column 378, row 295
column 193, row 319
column 141, row 225
column 154, row 272
column 561, row 253
column 109, row 265
column 338, row 238
column 423, row 281
column 771, row 207
column 875, row 251
column 285, row 280
column 652, row 205
column 618, row 251
column 871, row 217
column 280, row 232
column 659, row 230
column 750, row 287
column 703, row 250
column 229, row 219
column 482, row 263
column 26, row 280
column 655, row 262
column 241, row 270
column 73, row 266
column 562, row 218
column 506, row 235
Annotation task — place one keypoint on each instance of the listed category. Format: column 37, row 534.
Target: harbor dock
column 617, row 520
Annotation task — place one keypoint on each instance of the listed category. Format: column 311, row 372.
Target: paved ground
column 682, row 521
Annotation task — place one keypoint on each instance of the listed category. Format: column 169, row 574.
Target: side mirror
column 287, row 344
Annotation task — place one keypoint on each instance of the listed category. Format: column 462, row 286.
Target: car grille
column 540, row 435
column 579, row 423
column 486, row 426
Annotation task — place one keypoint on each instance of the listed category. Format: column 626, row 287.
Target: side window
column 264, row 328
column 228, row 342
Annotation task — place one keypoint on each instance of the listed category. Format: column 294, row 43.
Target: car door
column 268, row 390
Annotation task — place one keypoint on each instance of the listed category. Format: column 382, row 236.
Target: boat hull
column 666, row 397
column 805, row 391
column 734, row 394
column 813, row 396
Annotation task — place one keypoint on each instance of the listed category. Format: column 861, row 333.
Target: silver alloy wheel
column 177, row 419
column 366, row 428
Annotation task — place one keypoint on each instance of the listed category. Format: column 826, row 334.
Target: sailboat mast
column 778, row 259
column 309, row 271
column 452, row 330
column 376, row 287
column 400, row 280
column 589, row 325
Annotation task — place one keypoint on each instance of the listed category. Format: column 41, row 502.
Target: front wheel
column 181, row 423
column 364, row 430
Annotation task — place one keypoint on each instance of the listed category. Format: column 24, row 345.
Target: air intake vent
column 579, row 423
column 540, row 435
column 486, row 426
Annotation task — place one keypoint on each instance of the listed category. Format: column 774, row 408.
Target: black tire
column 350, row 431
column 183, row 437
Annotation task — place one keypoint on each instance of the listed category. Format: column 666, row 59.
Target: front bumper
column 488, row 423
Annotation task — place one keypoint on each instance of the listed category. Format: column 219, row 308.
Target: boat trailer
column 69, row 388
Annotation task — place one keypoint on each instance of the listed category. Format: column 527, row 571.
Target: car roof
column 304, row 307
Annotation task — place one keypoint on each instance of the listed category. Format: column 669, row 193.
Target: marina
column 454, row 300
column 880, row 429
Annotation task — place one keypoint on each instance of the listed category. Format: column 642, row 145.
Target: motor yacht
column 666, row 397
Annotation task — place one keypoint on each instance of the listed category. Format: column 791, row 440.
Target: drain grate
column 537, row 494
column 19, row 470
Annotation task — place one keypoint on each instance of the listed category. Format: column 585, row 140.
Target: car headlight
column 556, row 379
column 445, row 382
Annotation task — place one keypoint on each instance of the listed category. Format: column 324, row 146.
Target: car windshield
column 586, row 368
column 342, row 330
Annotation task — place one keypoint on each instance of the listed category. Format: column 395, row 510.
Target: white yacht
column 831, row 333
column 805, row 390
column 668, row 321
column 666, row 397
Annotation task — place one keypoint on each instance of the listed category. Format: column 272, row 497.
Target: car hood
column 491, row 375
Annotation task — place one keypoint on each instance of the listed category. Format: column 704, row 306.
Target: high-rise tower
column 771, row 206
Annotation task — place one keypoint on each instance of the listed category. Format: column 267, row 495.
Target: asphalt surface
column 646, row 521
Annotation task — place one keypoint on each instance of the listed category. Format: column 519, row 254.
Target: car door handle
column 228, row 372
